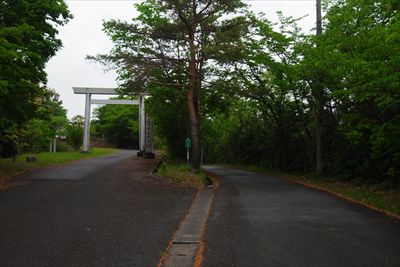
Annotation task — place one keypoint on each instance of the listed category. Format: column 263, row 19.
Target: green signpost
column 188, row 143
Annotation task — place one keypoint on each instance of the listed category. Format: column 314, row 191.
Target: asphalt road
column 258, row 220
column 99, row 212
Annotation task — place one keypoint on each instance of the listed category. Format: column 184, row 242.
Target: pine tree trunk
column 193, row 105
column 194, row 130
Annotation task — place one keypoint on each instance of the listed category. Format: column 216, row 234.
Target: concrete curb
column 188, row 238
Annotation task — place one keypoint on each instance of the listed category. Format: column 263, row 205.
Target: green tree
column 356, row 62
column 50, row 120
column 119, row 124
column 269, row 107
column 51, row 110
column 27, row 41
column 270, row 114
column 35, row 134
column 74, row 132
column 168, row 44
column 365, row 37
column 168, row 111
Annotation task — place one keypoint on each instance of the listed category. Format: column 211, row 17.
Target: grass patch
column 9, row 168
column 181, row 173
column 373, row 196
column 387, row 200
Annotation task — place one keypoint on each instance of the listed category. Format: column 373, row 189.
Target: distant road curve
column 259, row 220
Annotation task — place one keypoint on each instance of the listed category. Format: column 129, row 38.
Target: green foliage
column 38, row 134
column 170, row 118
column 258, row 89
column 35, row 134
column 118, row 124
column 170, row 43
column 264, row 120
column 271, row 121
column 27, row 41
column 359, row 53
column 49, row 122
column 74, row 132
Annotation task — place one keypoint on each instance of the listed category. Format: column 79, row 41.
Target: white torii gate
column 145, row 144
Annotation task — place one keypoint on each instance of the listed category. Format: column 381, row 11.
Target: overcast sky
column 83, row 36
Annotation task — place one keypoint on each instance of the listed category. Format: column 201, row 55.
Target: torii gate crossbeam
column 89, row 91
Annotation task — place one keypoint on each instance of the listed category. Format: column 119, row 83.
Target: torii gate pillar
column 145, row 135
column 142, row 127
column 86, row 129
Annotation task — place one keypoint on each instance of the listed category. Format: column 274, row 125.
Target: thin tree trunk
column 318, row 134
column 318, row 106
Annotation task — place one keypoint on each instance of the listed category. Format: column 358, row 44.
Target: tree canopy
column 170, row 44
column 118, row 124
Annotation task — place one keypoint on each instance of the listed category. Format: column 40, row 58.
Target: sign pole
column 188, row 145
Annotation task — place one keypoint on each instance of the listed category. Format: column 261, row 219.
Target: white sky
column 83, row 36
